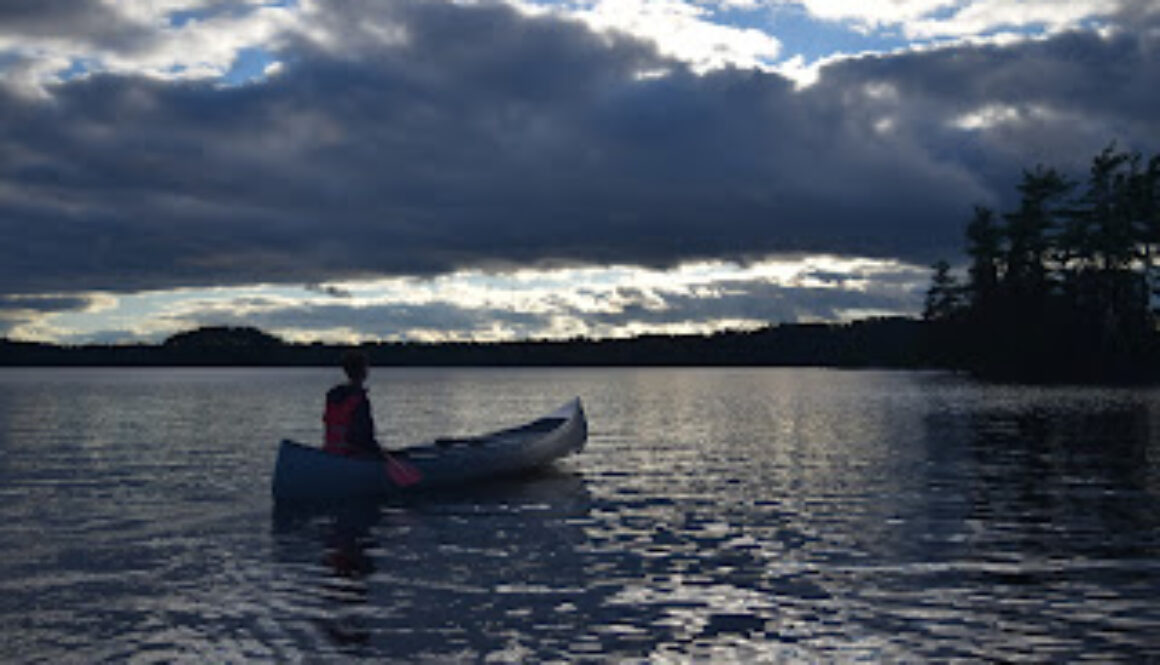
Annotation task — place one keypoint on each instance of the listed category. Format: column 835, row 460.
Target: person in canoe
column 350, row 427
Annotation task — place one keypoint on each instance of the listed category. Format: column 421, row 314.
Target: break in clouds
column 424, row 138
column 570, row 303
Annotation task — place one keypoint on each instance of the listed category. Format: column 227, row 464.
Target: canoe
column 304, row 473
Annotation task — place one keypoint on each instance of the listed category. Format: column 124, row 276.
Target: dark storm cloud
column 41, row 38
column 1070, row 95
column 19, row 310
column 329, row 290
column 423, row 137
column 61, row 303
column 81, row 22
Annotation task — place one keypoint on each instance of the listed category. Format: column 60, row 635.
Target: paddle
column 401, row 473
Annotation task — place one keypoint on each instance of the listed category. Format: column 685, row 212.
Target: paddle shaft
column 400, row 472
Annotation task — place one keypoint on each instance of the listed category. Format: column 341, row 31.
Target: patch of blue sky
column 946, row 12
column 250, row 64
column 78, row 67
column 802, row 34
column 183, row 17
column 569, row 5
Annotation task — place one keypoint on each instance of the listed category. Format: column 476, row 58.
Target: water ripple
column 716, row 516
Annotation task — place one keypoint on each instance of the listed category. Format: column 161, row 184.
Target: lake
column 717, row 515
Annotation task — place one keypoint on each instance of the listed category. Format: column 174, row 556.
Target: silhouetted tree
column 984, row 247
column 944, row 298
column 1029, row 232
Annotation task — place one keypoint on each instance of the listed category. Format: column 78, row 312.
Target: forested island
column 885, row 342
column 1063, row 287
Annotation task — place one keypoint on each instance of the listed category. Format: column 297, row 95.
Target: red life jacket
column 338, row 416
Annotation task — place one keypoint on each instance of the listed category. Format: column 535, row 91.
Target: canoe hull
column 304, row 473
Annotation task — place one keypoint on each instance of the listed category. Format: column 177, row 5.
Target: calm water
column 717, row 515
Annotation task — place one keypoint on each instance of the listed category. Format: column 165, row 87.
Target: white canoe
column 304, row 473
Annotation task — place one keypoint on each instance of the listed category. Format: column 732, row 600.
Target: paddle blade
column 402, row 473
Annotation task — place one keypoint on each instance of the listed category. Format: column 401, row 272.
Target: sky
column 354, row 170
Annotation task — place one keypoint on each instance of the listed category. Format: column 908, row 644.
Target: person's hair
column 354, row 363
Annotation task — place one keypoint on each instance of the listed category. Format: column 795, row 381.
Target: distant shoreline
column 886, row 343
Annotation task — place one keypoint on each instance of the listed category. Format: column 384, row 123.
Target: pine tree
column 984, row 246
column 944, row 298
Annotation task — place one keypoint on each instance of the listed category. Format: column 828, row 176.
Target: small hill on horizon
column 217, row 337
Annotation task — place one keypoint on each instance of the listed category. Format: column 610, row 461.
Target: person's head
column 354, row 363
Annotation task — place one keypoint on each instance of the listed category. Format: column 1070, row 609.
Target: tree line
column 884, row 342
column 1063, row 286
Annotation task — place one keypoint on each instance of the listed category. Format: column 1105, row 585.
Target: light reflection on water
column 716, row 515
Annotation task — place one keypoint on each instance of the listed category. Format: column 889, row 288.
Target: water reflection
column 444, row 575
column 1065, row 482
column 1033, row 533
column 346, row 536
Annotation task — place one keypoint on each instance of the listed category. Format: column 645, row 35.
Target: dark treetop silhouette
column 1062, row 287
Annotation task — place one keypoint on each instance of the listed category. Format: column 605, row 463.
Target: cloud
column 424, row 138
column 952, row 18
column 682, row 30
column 329, row 290
column 54, row 40
column 603, row 314
column 594, row 302
column 90, row 23
column 21, row 311
column 48, row 303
